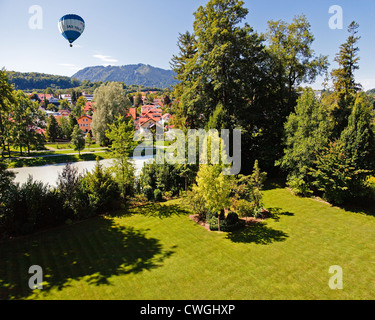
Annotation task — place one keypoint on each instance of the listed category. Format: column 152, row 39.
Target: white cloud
column 105, row 58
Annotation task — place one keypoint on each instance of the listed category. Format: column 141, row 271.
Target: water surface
column 49, row 173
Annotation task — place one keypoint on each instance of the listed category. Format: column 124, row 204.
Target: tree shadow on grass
column 92, row 251
column 158, row 210
column 258, row 233
column 276, row 213
column 275, row 183
column 365, row 208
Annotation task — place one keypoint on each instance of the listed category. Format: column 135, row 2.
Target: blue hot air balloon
column 71, row 27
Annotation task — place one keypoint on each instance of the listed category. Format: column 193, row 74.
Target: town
column 146, row 116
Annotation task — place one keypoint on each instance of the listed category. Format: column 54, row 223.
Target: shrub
column 336, row 176
column 232, row 218
column 158, row 196
column 370, row 185
column 31, row 206
column 213, row 223
column 245, row 208
column 229, row 224
column 209, row 215
column 299, row 186
column 259, row 213
column 149, row 193
column 140, row 198
column 168, row 195
column 195, row 203
column 69, row 187
column 167, row 177
column 101, row 188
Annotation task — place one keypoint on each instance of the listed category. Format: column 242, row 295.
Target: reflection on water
column 49, row 173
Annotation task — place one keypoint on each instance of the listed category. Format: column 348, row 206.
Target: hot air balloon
column 71, row 27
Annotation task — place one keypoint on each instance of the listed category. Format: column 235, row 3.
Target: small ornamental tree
column 214, row 187
column 78, row 140
column 120, row 134
column 257, row 179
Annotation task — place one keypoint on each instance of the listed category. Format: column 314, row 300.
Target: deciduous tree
column 110, row 101
column 78, row 140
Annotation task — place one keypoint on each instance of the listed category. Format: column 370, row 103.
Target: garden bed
column 248, row 221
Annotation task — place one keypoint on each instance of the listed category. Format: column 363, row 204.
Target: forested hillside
column 139, row 74
column 34, row 81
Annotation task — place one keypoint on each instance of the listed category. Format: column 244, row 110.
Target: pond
column 49, row 173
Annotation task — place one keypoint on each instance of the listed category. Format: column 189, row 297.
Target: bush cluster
column 167, row 180
column 33, row 205
column 227, row 224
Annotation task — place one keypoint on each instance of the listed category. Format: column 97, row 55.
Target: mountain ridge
column 131, row 74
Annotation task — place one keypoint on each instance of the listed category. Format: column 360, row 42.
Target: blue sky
column 146, row 31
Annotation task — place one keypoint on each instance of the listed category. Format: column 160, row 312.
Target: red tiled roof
column 41, row 96
column 88, row 106
column 85, row 116
column 133, row 113
column 40, row 131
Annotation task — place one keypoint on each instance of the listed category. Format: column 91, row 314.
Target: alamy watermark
column 198, row 146
column 36, row 19
column 337, row 19
column 36, row 280
column 336, row 281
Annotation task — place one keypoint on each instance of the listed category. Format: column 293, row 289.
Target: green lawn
column 58, row 158
column 68, row 146
column 157, row 252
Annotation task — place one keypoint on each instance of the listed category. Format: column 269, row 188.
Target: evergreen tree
column 52, row 130
column 72, row 122
column 343, row 80
column 183, row 66
column 256, row 180
column 88, row 139
column 101, row 188
column 335, row 176
column 358, row 137
column 6, row 178
column 78, row 111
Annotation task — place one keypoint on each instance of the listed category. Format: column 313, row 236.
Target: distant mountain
column 136, row 74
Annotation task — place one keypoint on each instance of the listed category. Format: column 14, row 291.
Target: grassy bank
column 41, row 161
